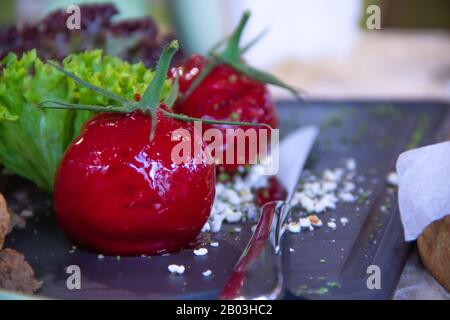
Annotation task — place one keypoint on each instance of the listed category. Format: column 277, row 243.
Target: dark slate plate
column 326, row 264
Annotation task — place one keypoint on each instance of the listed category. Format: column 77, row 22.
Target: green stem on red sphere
column 150, row 101
column 53, row 104
column 261, row 76
column 254, row 41
column 84, row 83
column 183, row 117
column 232, row 51
column 152, row 95
column 243, row 49
column 172, row 96
column 231, row 56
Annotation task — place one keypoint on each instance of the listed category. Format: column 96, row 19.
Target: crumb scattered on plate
column 176, row 269
column 293, row 227
column 392, row 179
column 214, row 244
column 207, row 273
column 201, row 252
column 344, row 221
column 332, row 224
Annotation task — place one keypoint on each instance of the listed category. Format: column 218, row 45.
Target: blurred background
column 323, row 46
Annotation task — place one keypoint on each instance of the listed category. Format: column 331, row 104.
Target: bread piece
column 4, row 220
column 434, row 250
column 16, row 274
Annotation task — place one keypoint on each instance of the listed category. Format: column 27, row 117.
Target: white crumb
column 351, row 164
column 331, row 224
column 207, row 273
column 233, row 216
column 347, row 197
column 176, row 269
column 392, row 179
column 293, row 227
column 27, row 213
column 306, row 224
column 201, row 252
column 344, row 221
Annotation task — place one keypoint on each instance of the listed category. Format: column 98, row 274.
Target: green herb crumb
column 235, row 116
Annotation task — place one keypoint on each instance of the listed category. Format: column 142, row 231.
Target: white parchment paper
column 424, row 187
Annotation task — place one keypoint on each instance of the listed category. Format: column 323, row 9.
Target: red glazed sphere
column 225, row 94
column 117, row 193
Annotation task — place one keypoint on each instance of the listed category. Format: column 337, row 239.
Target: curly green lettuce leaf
column 32, row 139
column 6, row 116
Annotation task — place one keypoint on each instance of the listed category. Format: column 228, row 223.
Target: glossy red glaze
column 224, row 94
column 117, row 193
